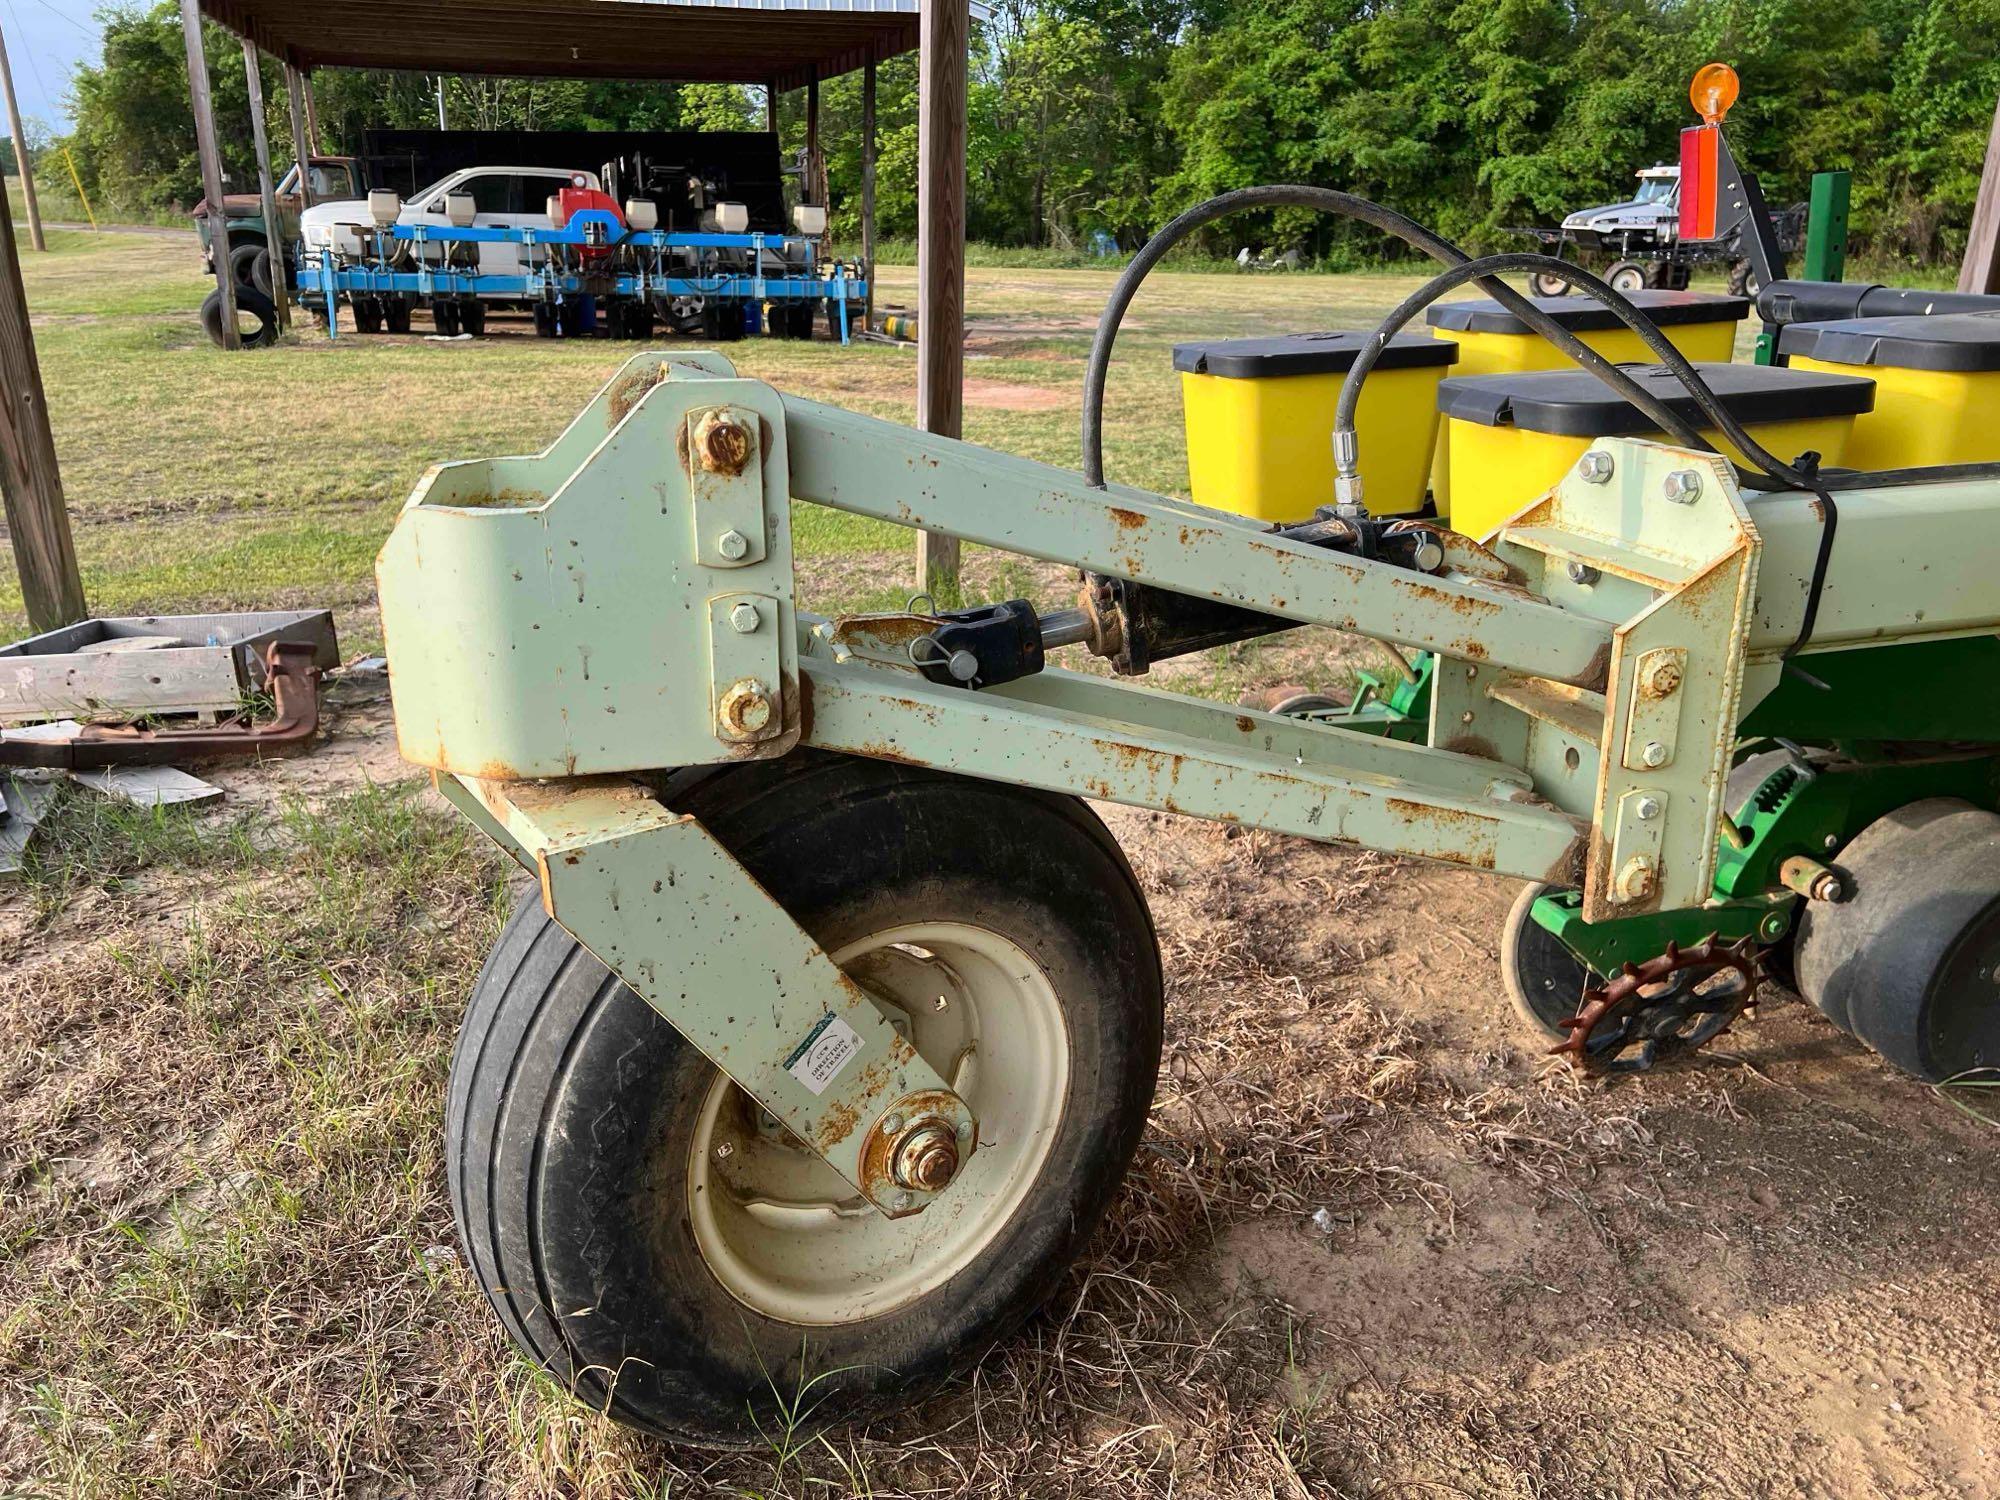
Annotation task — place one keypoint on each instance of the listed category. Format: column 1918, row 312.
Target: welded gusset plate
column 671, row 913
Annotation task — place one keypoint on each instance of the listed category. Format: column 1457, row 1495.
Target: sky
column 45, row 39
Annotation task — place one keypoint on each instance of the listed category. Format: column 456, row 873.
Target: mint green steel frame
column 564, row 626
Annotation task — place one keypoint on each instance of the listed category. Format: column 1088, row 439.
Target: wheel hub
column 925, row 1157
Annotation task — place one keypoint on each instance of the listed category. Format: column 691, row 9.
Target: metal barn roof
column 724, row 41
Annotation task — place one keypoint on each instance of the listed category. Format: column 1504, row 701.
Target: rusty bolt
column 1595, row 467
column 1635, row 881
column 1811, row 879
column 1683, row 486
column 745, row 710
column 925, row 1157
column 744, row 619
column 722, row 444
column 1664, row 680
column 733, row 545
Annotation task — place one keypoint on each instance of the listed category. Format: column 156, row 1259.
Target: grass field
column 1373, row 1245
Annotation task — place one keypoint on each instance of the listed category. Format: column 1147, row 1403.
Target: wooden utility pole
column 815, row 168
column 28, row 199
column 30, row 483
column 868, row 190
column 274, row 227
column 940, row 253
column 313, row 137
column 1980, row 270
column 295, row 91
column 211, row 169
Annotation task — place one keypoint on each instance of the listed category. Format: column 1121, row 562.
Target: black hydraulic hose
column 1342, row 205
column 1719, row 416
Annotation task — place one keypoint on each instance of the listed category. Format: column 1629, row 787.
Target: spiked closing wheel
column 1666, row 1006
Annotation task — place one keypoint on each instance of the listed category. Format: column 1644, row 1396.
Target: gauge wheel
column 669, row 1253
column 1543, row 979
column 472, row 317
column 1548, row 284
column 1626, row 277
column 1744, row 281
column 444, row 318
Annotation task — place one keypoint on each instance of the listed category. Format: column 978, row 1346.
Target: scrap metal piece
column 291, row 674
column 1663, row 1008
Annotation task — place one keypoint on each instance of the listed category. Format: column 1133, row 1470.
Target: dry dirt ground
column 1374, row 1245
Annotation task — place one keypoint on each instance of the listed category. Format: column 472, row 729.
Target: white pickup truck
column 502, row 198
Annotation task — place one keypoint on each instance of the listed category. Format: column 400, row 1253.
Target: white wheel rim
column 787, row 1238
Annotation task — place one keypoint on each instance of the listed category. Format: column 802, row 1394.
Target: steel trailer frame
column 565, row 627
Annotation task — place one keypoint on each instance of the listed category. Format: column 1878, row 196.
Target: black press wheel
column 1543, row 979
column 1910, row 961
column 545, row 320
column 1626, row 276
column 368, row 315
column 256, row 318
column 444, row 318
column 677, row 1263
column 472, row 317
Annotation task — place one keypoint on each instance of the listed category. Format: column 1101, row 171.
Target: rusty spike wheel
column 1667, row 1006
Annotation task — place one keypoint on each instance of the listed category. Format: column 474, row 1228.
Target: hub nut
column 925, row 1156
column 722, row 445
column 745, row 710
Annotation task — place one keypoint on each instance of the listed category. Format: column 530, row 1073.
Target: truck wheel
column 1627, row 276
column 251, row 266
column 1910, row 962
column 256, row 318
column 1547, row 284
column 1543, row 979
column 649, row 1238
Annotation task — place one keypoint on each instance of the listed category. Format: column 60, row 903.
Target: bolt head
column 1648, row 808
column 1683, row 486
column 1595, row 467
column 722, row 445
column 891, row 1124
column 744, row 619
column 745, row 710
column 1581, row 572
column 926, row 1156
column 1664, row 680
column 1635, row 881
column 1655, row 754
column 724, row 1151
column 733, row 545
column 1428, row 556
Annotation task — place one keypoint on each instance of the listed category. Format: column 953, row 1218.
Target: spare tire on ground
column 252, row 305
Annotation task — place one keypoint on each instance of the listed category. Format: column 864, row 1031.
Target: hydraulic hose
column 1348, row 206
column 1346, row 478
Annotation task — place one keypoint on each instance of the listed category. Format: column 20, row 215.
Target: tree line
column 1095, row 118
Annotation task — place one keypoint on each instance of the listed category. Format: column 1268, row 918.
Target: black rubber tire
column 639, row 321
column 472, row 318
column 1743, row 280
column 396, row 314
column 444, row 318
column 569, row 317
column 722, row 322
column 572, row 1103
column 1543, row 979
column 1910, row 962
column 251, row 266
column 249, row 303
column 1626, row 276
column 1542, row 284
column 545, row 320
column 368, row 315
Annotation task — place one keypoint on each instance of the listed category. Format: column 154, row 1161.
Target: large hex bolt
column 1595, row 467
column 925, row 1156
column 745, row 710
column 1683, row 486
column 722, row 445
